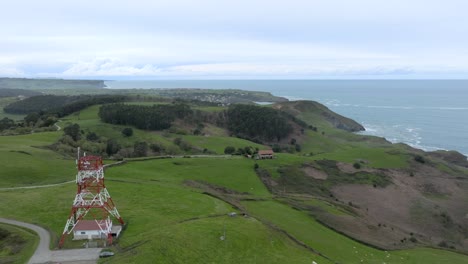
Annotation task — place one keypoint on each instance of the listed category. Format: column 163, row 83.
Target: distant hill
column 17, row 92
column 46, row 84
column 321, row 113
column 60, row 105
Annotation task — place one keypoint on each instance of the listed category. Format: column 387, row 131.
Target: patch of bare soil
column 426, row 204
column 314, row 173
column 349, row 168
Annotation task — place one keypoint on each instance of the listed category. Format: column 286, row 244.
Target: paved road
column 44, row 255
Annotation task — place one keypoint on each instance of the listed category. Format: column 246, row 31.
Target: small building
column 95, row 229
column 265, row 154
column 89, row 229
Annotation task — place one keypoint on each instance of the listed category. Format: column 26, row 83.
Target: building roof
column 89, row 225
column 265, row 152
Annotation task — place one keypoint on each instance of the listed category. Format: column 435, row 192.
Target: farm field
column 172, row 222
column 177, row 209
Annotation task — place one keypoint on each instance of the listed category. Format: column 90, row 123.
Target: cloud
column 10, row 71
column 233, row 38
column 271, row 70
column 108, row 67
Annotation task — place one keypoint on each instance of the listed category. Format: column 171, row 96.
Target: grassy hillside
column 16, row 244
column 176, row 209
column 173, row 222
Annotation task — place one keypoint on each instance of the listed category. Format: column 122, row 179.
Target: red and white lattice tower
column 92, row 199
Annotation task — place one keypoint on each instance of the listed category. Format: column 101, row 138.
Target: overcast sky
column 204, row 39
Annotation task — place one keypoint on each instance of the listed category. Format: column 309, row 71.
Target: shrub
column 357, row 165
column 155, row 147
column 298, row 148
column 140, row 149
column 276, row 148
column 73, row 131
column 112, row 147
column 443, row 244
column 91, row 136
column 127, row 132
column 229, row 150
column 419, row 158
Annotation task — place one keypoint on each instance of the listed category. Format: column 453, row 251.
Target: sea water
column 426, row 114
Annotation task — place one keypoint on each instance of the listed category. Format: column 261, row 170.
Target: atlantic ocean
column 426, row 114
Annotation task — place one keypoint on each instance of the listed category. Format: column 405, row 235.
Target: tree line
column 156, row 117
column 258, row 123
column 59, row 105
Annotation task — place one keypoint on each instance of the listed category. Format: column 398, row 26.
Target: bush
column 229, row 150
column 443, row 244
column 91, row 136
column 256, row 166
column 276, row 148
column 73, row 131
column 140, row 149
column 419, row 158
column 155, row 147
column 298, row 148
column 112, row 147
column 127, row 132
column 357, row 165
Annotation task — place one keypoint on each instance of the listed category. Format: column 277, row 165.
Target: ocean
column 426, row 114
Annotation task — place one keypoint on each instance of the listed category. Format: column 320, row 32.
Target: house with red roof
column 265, row 154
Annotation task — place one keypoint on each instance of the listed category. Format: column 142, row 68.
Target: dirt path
column 36, row 186
column 44, row 255
column 57, row 126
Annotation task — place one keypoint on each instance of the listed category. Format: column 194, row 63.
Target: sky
column 220, row 39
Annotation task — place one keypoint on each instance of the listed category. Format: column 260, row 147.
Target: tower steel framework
column 92, row 199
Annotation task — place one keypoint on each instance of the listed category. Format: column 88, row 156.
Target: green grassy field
column 18, row 246
column 4, row 102
column 24, row 162
column 174, row 223
column 170, row 221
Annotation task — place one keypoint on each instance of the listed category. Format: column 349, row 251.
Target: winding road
column 44, row 255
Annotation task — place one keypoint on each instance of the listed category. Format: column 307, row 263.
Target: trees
column 73, row 131
column 127, row 132
column 229, row 150
column 91, row 136
column 112, row 147
column 140, row 149
column 257, row 123
column 6, row 123
column 156, row 117
column 31, row 119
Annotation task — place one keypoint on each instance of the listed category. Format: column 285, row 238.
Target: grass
column 375, row 157
column 338, row 247
column 170, row 222
column 167, row 221
column 217, row 143
column 6, row 101
column 18, row 246
column 24, row 163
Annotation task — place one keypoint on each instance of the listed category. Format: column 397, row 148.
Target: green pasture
column 6, row 101
column 337, row 247
column 19, row 246
column 24, row 161
column 173, row 223
column 217, row 143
